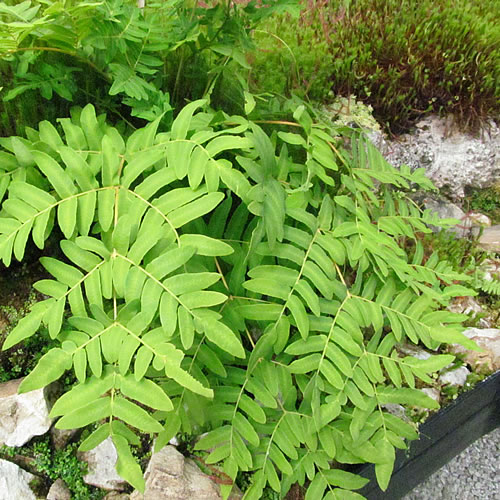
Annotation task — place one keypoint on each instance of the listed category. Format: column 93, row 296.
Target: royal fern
column 490, row 286
column 249, row 284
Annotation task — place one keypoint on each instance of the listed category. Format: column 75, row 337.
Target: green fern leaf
column 126, row 465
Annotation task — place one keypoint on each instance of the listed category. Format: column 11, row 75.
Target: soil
column 16, row 297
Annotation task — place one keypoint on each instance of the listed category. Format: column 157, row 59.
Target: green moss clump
column 405, row 58
column 487, row 201
column 49, row 465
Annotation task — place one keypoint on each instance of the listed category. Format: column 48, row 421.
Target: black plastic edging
column 443, row 436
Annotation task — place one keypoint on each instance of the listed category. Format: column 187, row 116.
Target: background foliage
column 405, row 58
column 129, row 62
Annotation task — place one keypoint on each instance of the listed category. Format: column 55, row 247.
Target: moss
column 486, row 201
column 49, row 465
column 21, row 359
column 405, row 58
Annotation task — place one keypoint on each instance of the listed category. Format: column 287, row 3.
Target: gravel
column 474, row 474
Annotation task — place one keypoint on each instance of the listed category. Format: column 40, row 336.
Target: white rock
column 444, row 208
column 487, row 322
column 470, row 306
column 490, row 239
column 447, row 210
column 469, row 224
column 170, row 476
column 416, row 352
column 455, row 377
column 174, row 441
column 491, row 269
column 478, row 219
column 101, row 462
column 432, row 393
column 465, row 305
column 452, row 159
column 14, row 482
column 396, row 410
column 59, row 491
column 489, row 340
column 116, row 495
column 22, row 416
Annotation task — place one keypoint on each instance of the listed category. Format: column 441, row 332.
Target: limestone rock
column 14, row 482
column 491, row 269
column 455, row 377
column 447, row 210
column 465, row 305
column 174, row 441
column 490, row 239
column 396, row 410
column 170, row 476
column 452, row 159
column 470, row 306
column 412, row 350
column 22, row 416
column 489, row 321
column 59, row 491
column 478, row 219
column 61, row 437
column 432, row 392
column 469, row 224
column 116, row 495
column 101, row 462
column 489, row 340
column 236, row 494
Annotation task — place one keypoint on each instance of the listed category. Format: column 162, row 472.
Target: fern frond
column 209, row 281
column 490, row 286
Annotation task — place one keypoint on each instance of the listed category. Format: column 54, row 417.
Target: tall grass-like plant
column 220, row 278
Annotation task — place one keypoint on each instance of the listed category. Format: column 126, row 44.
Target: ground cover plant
column 220, row 278
column 49, row 465
column 486, row 201
column 405, row 58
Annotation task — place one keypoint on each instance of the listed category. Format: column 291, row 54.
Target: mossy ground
column 48, row 464
column 16, row 297
column 405, row 58
column 486, row 201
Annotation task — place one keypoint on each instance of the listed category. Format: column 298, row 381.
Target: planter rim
column 442, row 436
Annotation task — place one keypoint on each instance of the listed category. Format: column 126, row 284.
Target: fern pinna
column 216, row 278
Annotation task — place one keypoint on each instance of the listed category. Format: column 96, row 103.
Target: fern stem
column 278, row 122
column 341, row 276
column 250, row 338
column 221, row 274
